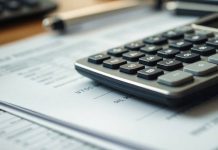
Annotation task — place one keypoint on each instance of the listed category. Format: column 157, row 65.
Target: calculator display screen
column 213, row 23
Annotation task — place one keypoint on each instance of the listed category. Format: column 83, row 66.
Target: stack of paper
column 37, row 75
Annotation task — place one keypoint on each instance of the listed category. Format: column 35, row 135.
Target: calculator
column 172, row 68
column 13, row 10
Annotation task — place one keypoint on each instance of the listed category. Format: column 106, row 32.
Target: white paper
column 22, row 134
column 38, row 74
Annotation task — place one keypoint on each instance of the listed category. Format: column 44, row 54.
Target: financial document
column 20, row 134
column 38, row 75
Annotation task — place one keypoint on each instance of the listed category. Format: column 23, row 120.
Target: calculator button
column 98, row 58
column 213, row 59
column 188, row 57
column 173, row 35
column 196, row 39
column 133, row 55
column 169, row 64
column 131, row 68
column 168, row 53
column 213, row 42
column 13, row 5
column 118, row 51
column 156, row 40
column 185, row 29
column 175, row 78
column 30, row 3
column 181, row 45
column 206, row 33
column 201, row 68
column 150, row 60
column 134, row 45
column 203, row 50
column 150, row 73
column 114, row 63
column 150, row 49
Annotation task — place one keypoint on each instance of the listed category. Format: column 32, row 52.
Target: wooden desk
column 28, row 28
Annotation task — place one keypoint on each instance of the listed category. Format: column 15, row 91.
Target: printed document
column 38, row 75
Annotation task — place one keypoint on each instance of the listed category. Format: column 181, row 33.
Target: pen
column 63, row 21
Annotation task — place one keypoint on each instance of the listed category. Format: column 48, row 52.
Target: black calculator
column 14, row 10
column 171, row 68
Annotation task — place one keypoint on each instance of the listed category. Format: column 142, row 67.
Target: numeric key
column 181, row 45
column 169, row 64
column 150, row 73
column 173, row 34
column 206, row 33
column 157, row 40
column 150, row 60
column 185, row 29
column 168, row 53
column 114, row 63
column 203, row 50
column 98, row 58
column 188, row 57
column 133, row 55
column 118, row 51
column 150, row 49
column 196, row 39
column 131, row 68
column 134, row 45
column 213, row 42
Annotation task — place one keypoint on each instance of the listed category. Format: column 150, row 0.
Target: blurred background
column 23, row 18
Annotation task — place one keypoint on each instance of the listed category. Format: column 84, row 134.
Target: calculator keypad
column 173, row 60
column 151, row 58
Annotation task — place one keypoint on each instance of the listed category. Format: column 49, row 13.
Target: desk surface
column 28, row 28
